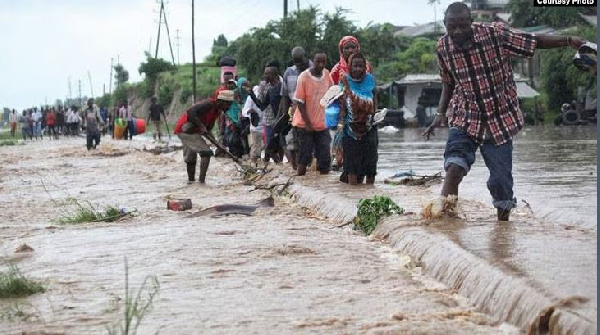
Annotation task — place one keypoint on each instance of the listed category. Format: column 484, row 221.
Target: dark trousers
column 128, row 133
column 93, row 139
column 318, row 142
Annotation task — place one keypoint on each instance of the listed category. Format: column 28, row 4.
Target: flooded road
column 284, row 270
column 554, row 169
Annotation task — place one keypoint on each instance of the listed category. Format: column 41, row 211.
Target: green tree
column 559, row 78
column 334, row 27
column 306, row 28
column 219, row 48
column 524, row 14
column 121, row 75
column 105, row 100
column 152, row 68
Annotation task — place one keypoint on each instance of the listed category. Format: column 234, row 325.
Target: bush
column 371, row 211
column 13, row 284
column 165, row 94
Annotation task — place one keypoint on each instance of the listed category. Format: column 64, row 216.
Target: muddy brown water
column 283, row 270
column 287, row 269
column 554, row 168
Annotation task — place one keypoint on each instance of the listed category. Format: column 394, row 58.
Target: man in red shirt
column 478, row 84
column 196, row 122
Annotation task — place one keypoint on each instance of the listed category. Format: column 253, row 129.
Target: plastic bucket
column 332, row 114
column 120, row 126
column 140, row 126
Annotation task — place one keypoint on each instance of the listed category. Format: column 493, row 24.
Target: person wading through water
column 360, row 140
column 478, row 84
column 287, row 105
column 156, row 111
column 270, row 90
column 309, row 121
column 347, row 46
column 93, row 124
column 195, row 123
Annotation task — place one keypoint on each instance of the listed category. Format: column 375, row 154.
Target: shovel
column 245, row 168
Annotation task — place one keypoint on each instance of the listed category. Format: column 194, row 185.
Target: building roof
column 422, row 29
column 504, row 17
column 591, row 19
column 523, row 90
column 538, row 29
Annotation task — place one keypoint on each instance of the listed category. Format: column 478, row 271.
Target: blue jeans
column 460, row 150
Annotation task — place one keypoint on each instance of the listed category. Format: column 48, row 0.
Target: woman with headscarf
column 358, row 105
column 347, row 46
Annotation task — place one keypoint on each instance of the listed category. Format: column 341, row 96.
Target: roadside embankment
column 537, row 275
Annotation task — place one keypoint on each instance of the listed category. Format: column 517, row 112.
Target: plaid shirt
column 485, row 95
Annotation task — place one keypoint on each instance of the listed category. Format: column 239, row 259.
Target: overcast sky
column 45, row 42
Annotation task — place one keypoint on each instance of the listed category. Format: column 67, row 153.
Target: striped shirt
column 485, row 99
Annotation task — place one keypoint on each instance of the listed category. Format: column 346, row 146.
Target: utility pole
column 285, row 8
column 168, row 34
column 80, row 104
column 70, row 90
column 178, row 44
column 297, row 5
column 193, row 59
column 111, row 76
column 160, row 15
column 91, row 88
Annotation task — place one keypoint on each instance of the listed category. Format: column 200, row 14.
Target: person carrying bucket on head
column 196, row 123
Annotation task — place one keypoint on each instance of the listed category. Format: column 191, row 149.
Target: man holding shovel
column 195, row 124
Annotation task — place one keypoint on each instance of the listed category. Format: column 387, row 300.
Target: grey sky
column 43, row 43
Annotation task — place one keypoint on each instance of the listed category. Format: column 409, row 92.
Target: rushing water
column 554, row 168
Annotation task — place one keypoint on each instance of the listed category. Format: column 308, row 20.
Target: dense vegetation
column 390, row 55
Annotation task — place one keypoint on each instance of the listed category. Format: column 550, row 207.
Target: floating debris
column 414, row 180
column 229, row 209
column 23, row 248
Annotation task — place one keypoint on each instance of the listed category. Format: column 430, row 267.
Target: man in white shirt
column 257, row 122
column 125, row 114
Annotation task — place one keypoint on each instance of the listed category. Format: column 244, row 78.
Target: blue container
column 332, row 114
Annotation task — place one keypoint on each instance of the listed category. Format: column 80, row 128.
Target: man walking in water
column 156, row 111
column 196, row 123
column 478, row 84
column 309, row 120
column 93, row 122
column 288, row 90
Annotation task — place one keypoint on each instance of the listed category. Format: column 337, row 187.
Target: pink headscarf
column 342, row 66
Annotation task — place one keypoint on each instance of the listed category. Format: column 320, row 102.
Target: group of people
column 90, row 119
column 284, row 116
column 49, row 121
column 479, row 94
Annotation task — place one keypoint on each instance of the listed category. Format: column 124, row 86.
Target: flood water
column 554, row 168
column 283, row 270
column 290, row 269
